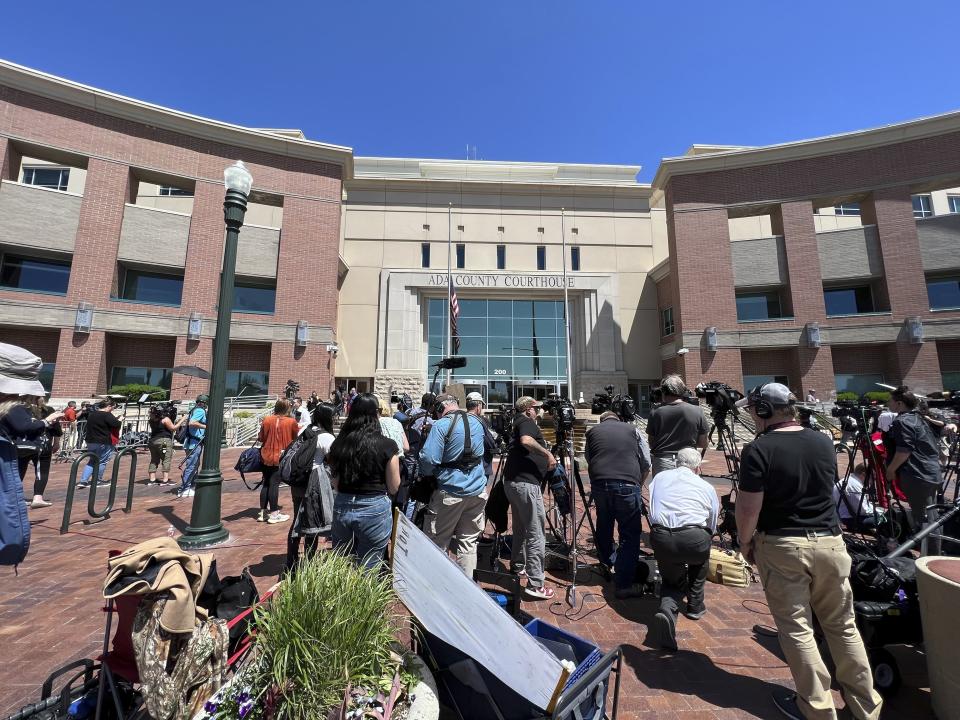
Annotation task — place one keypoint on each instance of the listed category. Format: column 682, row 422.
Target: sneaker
column 695, row 612
column 41, row 503
column 664, row 631
column 539, row 593
column 277, row 517
column 82, row 485
column 262, row 516
column 786, row 703
column 190, row 493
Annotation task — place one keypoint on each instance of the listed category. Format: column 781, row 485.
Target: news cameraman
column 528, row 464
column 786, row 496
column 456, row 507
column 619, row 461
column 916, row 458
column 674, row 425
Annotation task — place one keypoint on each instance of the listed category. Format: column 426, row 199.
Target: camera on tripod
column 945, row 399
column 720, row 397
column 562, row 411
column 851, row 413
column 291, row 390
column 623, row 405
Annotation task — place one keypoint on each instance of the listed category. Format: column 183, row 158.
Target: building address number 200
column 499, row 371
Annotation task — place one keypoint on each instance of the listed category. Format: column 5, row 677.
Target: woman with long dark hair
column 365, row 469
column 313, row 503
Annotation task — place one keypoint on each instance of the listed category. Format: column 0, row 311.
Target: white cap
column 476, row 397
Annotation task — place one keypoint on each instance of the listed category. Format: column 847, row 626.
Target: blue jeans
column 190, row 465
column 103, row 451
column 618, row 502
column 362, row 525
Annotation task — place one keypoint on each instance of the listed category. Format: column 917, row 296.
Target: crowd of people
column 435, row 462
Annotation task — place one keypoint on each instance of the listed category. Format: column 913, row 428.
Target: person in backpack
column 365, row 470
column 419, row 422
column 453, row 454
column 193, row 445
column 162, row 429
column 313, row 502
column 276, row 433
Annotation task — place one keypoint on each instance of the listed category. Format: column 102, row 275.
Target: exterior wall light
column 194, row 326
column 914, row 330
column 333, row 349
column 812, row 334
column 710, row 339
column 84, row 318
column 303, row 333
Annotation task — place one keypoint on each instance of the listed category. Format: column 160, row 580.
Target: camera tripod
column 727, row 442
column 949, row 471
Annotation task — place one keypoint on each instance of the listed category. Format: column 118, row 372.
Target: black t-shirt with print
column 795, row 471
column 524, row 465
column 372, row 479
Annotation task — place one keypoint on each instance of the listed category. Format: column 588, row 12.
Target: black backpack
column 296, row 463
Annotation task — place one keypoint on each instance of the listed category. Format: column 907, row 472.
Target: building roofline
column 659, row 271
column 53, row 87
column 918, row 128
column 499, row 172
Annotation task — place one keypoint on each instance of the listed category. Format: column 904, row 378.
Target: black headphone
column 761, row 407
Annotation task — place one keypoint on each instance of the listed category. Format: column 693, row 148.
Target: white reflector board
column 459, row 612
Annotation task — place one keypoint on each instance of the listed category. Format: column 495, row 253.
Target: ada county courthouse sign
column 502, row 281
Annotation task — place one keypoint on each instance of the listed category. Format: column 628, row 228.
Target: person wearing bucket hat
column 21, row 418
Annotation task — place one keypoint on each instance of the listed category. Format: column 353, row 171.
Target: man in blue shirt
column 456, row 508
column 193, row 445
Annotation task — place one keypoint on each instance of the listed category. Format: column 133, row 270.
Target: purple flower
column 242, row 697
column 246, row 707
column 210, row 707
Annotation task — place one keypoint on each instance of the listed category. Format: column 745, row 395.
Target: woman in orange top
column 276, row 432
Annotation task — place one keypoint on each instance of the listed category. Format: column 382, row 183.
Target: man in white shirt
column 301, row 414
column 683, row 518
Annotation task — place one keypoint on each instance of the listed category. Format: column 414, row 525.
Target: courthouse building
column 829, row 263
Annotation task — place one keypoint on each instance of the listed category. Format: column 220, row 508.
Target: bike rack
column 94, row 482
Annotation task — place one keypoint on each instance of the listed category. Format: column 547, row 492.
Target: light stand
column 206, row 527
column 572, row 589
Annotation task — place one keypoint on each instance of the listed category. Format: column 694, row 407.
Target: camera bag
column 728, row 568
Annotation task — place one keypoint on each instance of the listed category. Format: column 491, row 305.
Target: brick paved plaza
column 49, row 613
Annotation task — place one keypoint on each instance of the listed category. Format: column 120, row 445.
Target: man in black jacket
column 102, row 429
column 619, row 463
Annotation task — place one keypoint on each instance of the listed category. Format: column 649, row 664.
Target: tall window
column 922, row 206
column 953, row 202
column 170, row 191
column 54, row 178
column 254, row 296
column 666, row 322
column 752, row 381
column 759, row 306
column 944, row 293
column 575, row 257
column 35, row 274
column 250, row 382
column 149, row 287
column 501, row 257
column 541, row 257
column 849, row 208
column 849, row 300
column 461, row 256
column 425, row 255
column 857, row 383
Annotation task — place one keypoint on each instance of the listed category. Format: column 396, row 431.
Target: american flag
column 454, row 314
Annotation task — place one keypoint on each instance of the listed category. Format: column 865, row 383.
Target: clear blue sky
column 591, row 81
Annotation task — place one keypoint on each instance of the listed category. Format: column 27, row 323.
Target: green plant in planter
column 242, row 414
column 879, row 396
column 325, row 639
column 847, row 397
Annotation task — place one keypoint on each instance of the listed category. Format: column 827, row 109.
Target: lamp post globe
column 206, row 528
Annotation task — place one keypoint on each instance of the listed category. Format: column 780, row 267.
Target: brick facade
column 42, row 343
column 116, row 153
column 881, row 178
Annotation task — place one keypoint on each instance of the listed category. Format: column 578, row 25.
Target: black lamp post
column 205, row 526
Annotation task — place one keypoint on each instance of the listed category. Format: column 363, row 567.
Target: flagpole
column 566, row 305
column 449, row 286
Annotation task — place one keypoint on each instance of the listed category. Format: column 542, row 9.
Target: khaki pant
column 803, row 576
column 456, row 518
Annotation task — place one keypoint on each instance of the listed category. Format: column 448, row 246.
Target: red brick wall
column 795, row 222
column 863, row 360
column 43, row 343
column 309, row 366
column 815, row 369
column 81, row 364
column 249, row 356
column 780, row 361
column 723, row 365
column 918, row 367
column 140, row 351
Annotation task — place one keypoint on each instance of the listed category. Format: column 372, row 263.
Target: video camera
column 851, row 413
column 502, row 423
column 291, row 390
column 945, row 399
column 721, row 398
column 623, row 405
column 562, row 411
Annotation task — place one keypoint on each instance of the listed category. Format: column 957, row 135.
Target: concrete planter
column 938, row 583
column 425, row 705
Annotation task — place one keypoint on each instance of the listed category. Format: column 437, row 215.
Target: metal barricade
column 92, row 511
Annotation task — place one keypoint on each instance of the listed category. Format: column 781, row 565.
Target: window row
column 52, row 276
column 58, row 178
column 922, row 206
column 460, row 259
column 250, row 382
